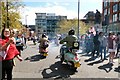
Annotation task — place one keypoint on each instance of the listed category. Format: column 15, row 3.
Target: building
column 32, row 27
column 89, row 18
column 47, row 23
column 111, row 15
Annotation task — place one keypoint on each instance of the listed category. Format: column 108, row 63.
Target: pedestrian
column 96, row 45
column 87, row 43
column 118, row 45
column 111, row 47
column 103, row 45
column 19, row 43
column 9, row 52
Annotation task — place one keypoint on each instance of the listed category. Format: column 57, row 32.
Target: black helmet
column 43, row 35
column 71, row 32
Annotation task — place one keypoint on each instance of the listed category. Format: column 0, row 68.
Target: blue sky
column 67, row 8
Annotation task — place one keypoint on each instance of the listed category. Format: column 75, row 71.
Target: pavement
column 34, row 67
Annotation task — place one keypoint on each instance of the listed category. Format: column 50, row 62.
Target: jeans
column 101, row 51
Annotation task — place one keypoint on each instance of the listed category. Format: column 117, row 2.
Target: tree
column 66, row 25
column 13, row 13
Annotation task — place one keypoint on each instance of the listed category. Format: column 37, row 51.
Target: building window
column 119, row 6
column 108, row 11
column 105, row 3
column 114, row 17
column 105, row 12
column 119, row 16
column 115, row 0
column 115, row 7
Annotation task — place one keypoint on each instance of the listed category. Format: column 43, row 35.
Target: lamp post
column 0, row 16
column 26, row 20
column 7, row 13
column 78, row 19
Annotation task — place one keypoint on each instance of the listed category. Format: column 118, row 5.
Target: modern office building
column 47, row 23
column 32, row 27
column 111, row 15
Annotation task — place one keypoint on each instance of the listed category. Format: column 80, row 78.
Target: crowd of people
column 101, row 44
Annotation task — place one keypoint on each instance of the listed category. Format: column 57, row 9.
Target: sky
column 67, row 8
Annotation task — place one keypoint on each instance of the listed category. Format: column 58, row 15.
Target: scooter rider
column 70, row 39
column 42, row 40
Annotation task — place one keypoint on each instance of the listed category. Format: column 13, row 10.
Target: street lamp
column 78, row 19
column 7, row 13
column 26, row 20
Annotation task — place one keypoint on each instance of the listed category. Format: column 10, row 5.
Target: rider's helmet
column 43, row 36
column 71, row 32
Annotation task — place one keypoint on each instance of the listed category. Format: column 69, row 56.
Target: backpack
column 45, row 44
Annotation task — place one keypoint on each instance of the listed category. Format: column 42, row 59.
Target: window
column 119, row 16
column 115, row 8
column 105, row 3
column 114, row 17
column 119, row 6
column 115, row 0
column 108, row 11
column 105, row 12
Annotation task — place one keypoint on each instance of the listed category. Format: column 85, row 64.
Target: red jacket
column 12, row 51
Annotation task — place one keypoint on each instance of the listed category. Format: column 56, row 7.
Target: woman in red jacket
column 10, row 52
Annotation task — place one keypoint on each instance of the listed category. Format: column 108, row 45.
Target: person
column 70, row 39
column 96, row 45
column 10, row 52
column 118, row 44
column 42, row 41
column 111, row 47
column 103, row 44
column 34, row 40
column 57, row 40
column 19, row 43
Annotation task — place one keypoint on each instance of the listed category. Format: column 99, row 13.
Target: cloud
column 64, row 9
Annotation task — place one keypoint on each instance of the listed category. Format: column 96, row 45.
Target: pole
column 78, row 18
column 26, row 20
column 7, row 14
column 0, row 16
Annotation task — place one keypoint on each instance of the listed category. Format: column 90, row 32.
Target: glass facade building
column 47, row 23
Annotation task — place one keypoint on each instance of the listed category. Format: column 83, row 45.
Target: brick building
column 111, row 15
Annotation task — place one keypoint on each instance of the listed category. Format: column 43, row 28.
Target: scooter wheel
column 62, row 59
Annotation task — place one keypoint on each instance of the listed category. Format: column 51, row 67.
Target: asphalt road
column 33, row 66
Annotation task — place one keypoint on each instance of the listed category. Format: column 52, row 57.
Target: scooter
column 43, row 52
column 70, row 57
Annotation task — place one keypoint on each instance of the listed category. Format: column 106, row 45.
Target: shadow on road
column 90, row 59
column 35, row 58
column 117, row 69
column 57, row 71
column 96, row 62
column 107, row 67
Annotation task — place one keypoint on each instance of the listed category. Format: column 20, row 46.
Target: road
column 33, row 66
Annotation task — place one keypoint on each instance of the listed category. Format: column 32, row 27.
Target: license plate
column 77, row 64
column 45, row 54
